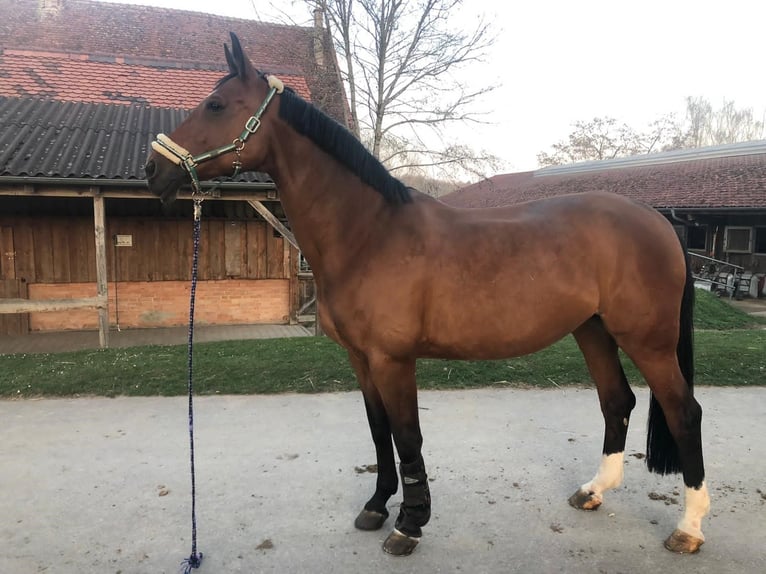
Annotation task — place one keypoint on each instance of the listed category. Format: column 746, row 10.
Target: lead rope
column 194, row 560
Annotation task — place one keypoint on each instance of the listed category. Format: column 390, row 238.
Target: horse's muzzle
column 164, row 179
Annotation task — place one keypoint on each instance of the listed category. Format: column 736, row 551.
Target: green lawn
column 729, row 351
column 712, row 312
column 311, row 365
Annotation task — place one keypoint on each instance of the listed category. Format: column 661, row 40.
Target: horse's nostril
column 150, row 168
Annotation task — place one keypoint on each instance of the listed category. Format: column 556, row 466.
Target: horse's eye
column 214, row 105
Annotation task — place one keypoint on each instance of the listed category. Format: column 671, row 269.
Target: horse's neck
column 328, row 207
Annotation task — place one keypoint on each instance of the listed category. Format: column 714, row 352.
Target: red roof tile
column 726, row 181
column 79, row 78
column 159, row 40
column 147, row 31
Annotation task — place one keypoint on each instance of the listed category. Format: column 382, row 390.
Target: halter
column 179, row 155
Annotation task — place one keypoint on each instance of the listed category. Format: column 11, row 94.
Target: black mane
column 225, row 79
column 342, row 145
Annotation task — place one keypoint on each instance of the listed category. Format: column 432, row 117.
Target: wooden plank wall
column 62, row 250
column 17, row 323
column 11, row 287
column 7, row 254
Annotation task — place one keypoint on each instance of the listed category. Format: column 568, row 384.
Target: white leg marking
column 609, row 475
column 697, row 505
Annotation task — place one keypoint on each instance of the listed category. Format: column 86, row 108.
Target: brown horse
column 400, row 275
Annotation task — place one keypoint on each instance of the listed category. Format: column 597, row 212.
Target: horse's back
column 490, row 283
column 509, row 281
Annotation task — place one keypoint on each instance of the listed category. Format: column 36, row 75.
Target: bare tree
column 706, row 126
column 605, row 138
column 338, row 16
column 661, row 136
column 402, row 63
column 696, row 131
column 432, row 186
column 600, row 138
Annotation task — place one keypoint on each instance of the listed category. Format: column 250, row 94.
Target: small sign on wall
column 123, row 241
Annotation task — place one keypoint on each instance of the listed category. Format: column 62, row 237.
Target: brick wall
column 166, row 303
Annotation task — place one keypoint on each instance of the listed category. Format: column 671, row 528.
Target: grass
column 728, row 352
column 313, row 365
column 712, row 312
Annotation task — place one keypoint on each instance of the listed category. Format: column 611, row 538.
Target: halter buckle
column 252, row 124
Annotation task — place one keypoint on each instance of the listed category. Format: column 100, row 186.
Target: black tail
column 661, row 450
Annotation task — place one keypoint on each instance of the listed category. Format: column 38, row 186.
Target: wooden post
column 99, row 223
column 291, row 272
column 318, row 331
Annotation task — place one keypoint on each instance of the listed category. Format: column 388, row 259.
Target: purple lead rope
column 194, row 560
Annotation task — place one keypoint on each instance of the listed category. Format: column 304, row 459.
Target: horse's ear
column 230, row 60
column 238, row 57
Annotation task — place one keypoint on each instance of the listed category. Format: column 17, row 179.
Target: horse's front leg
column 375, row 513
column 395, row 382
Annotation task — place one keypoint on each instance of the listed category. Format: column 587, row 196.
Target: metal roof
column 757, row 147
column 64, row 139
column 54, row 139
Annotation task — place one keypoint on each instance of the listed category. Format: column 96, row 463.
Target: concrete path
column 755, row 307
column 102, row 486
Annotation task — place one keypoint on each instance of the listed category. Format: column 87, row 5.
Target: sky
column 562, row 61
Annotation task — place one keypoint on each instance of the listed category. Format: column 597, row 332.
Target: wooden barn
column 83, row 245
column 715, row 197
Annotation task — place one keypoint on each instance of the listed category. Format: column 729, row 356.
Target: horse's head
column 218, row 137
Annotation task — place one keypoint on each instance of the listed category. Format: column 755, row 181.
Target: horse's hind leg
column 617, row 401
column 682, row 450
column 374, row 513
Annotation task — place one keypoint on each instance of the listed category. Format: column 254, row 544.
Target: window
column 696, row 237
column 738, row 239
column 760, row 240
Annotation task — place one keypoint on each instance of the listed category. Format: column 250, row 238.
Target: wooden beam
column 273, row 221
column 226, row 195
column 99, row 224
column 48, row 305
column 133, row 193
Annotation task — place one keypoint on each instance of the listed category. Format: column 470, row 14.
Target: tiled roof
column 84, row 26
column 82, row 78
column 85, row 90
column 48, row 138
column 154, row 41
column 725, row 181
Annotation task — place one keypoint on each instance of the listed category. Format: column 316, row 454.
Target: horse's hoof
column 683, row 543
column 370, row 520
column 399, row 544
column 585, row 500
